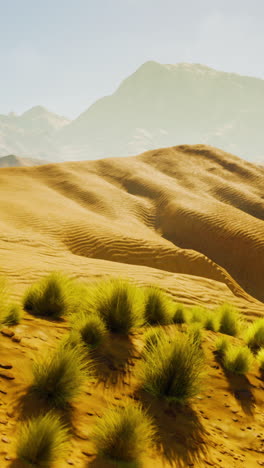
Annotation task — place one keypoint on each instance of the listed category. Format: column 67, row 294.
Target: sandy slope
column 186, row 210
column 187, row 218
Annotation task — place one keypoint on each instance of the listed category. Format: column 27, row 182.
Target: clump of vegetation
column 211, row 322
column 173, row 369
column 123, row 434
column 152, row 338
column 73, row 340
column 254, row 335
column 221, row 346
column 229, row 320
column 91, row 329
column 59, row 376
column 158, row 307
column 237, row 359
column 195, row 334
column 41, row 440
column 180, row 315
column 198, row 314
column 53, row 296
column 260, row 359
column 119, row 304
column 13, row 315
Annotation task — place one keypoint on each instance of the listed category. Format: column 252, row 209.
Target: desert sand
column 187, row 218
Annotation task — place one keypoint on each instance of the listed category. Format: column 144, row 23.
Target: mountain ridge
column 156, row 106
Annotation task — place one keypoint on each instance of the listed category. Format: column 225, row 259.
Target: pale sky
column 65, row 54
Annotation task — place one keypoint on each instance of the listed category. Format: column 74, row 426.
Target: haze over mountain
column 157, row 106
column 30, row 134
column 14, row 161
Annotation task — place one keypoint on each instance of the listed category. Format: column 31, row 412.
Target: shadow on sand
column 100, row 462
column 17, row 464
column 113, row 361
column 241, row 389
column 181, row 437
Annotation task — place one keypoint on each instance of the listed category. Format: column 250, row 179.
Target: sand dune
column 193, row 211
column 189, row 219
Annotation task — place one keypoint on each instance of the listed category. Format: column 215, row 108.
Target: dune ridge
column 186, row 215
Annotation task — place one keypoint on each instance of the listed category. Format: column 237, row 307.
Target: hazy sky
column 65, row 54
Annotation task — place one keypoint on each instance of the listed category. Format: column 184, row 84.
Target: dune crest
column 190, row 212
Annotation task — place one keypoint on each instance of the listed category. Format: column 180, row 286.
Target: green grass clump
column 173, row 369
column 91, row 329
column 237, row 359
column 158, row 307
column 229, row 320
column 254, row 335
column 13, row 315
column 119, row 304
column 41, row 441
column 152, row 338
column 198, row 314
column 179, row 315
column 123, row 434
column 260, row 359
column 59, row 376
column 221, row 346
column 53, row 296
column 210, row 322
column 195, row 334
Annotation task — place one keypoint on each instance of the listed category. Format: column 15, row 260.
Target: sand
column 188, row 218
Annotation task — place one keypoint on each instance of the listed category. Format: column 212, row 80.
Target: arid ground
column 188, row 219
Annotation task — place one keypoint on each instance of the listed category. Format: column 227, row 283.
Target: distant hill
column 12, row 161
column 30, row 134
column 157, row 106
column 161, row 105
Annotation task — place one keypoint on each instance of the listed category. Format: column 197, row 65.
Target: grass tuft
column 260, row 359
column 198, row 314
column 221, row 346
column 179, row 315
column 229, row 320
column 119, row 304
column 123, row 434
column 152, row 338
column 237, row 359
column 211, row 322
column 90, row 328
column 41, row 440
column 53, row 296
column 195, row 334
column 59, row 376
column 254, row 335
column 13, row 315
column 173, row 369
column 158, row 306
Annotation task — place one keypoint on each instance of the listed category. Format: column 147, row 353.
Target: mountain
column 164, row 105
column 14, row 161
column 157, row 106
column 30, row 134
